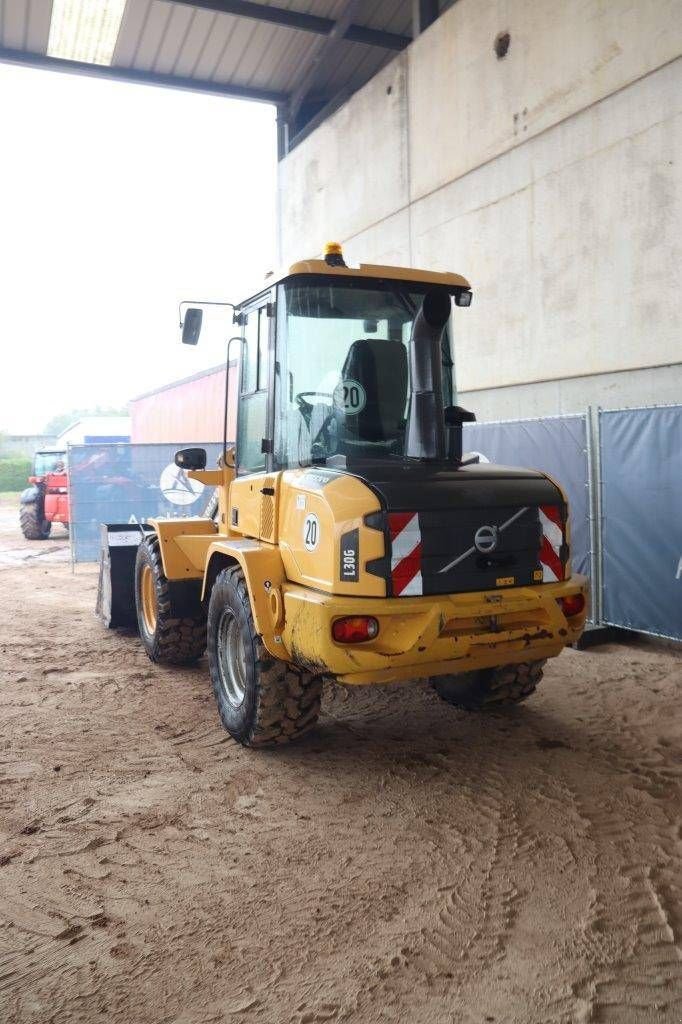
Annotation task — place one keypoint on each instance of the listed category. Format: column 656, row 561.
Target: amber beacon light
column 333, row 255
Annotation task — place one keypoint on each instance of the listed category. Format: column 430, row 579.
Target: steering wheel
column 306, row 408
column 302, row 395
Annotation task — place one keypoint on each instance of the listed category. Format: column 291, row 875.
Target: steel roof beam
column 239, row 92
column 297, row 20
column 322, row 50
column 424, row 13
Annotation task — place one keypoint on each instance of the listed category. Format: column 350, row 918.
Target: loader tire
column 33, row 525
column 261, row 701
column 490, row 688
column 167, row 640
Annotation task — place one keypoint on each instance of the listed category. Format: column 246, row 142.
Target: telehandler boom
column 352, row 539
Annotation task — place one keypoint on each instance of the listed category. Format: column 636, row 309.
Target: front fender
column 193, row 553
column 264, row 574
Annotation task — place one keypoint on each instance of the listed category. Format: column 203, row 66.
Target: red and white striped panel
column 552, row 539
column 406, row 553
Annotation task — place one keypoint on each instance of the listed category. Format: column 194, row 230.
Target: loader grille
column 446, row 551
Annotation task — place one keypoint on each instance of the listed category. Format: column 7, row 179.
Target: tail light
column 573, row 604
column 354, row 629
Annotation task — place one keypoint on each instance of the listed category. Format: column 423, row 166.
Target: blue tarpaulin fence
column 558, row 446
column 641, row 501
column 127, row 483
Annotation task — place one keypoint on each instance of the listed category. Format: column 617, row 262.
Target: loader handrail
column 236, row 337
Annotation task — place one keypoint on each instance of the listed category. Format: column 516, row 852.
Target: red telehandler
column 46, row 501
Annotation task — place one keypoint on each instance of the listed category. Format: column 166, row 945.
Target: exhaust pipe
column 426, row 419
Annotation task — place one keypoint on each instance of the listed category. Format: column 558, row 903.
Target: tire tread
column 32, row 527
column 288, row 699
column 491, row 688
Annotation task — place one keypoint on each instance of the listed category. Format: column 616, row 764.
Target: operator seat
column 380, row 366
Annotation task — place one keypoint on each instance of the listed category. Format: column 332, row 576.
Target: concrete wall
column 551, row 178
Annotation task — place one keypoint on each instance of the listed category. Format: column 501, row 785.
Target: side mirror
column 191, row 328
column 191, row 458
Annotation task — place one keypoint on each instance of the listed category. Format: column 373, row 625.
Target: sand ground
column 405, row 862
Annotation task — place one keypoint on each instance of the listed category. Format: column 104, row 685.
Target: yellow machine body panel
column 184, row 543
column 315, row 516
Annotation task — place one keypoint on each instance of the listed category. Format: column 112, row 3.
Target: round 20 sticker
column 311, row 531
column 350, row 396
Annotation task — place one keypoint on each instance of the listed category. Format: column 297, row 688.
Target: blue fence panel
column 127, row 483
column 556, row 445
column 641, row 470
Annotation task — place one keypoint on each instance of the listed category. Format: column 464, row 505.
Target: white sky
column 116, row 202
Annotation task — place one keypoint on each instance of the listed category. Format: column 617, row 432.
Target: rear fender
column 264, row 575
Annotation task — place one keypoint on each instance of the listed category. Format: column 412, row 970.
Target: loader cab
column 324, row 371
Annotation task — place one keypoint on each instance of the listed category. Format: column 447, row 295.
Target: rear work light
column 355, row 629
column 574, row 604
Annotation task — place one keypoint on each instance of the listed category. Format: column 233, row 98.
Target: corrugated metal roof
column 25, row 24
column 198, row 44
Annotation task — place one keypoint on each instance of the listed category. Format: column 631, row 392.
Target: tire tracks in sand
column 634, row 931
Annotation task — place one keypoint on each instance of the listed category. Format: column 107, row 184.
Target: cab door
column 253, row 419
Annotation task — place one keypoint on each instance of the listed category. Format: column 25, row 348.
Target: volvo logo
column 485, row 539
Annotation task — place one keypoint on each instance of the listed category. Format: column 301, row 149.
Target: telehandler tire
column 490, row 688
column 33, row 526
column 167, row 640
column 261, row 701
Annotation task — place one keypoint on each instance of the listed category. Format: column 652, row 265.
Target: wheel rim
column 148, row 594
column 231, row 659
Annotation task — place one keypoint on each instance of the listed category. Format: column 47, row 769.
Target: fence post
column 69, row 500
column 594, row 483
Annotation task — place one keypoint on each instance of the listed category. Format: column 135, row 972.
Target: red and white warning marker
column 406, row 553
column 552, row 539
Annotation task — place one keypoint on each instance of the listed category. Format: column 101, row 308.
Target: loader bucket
column 116, row 587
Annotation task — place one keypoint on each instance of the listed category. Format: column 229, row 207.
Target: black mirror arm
column 186, row 302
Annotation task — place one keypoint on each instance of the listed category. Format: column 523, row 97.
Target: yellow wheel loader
column 352, row 539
